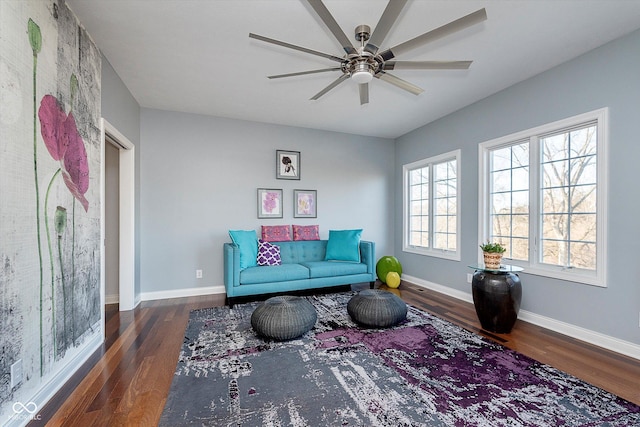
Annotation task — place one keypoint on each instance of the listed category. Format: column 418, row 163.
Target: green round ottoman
column 283, row 317
column 377, row 308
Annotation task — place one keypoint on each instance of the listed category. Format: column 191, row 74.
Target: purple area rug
column 423, row 372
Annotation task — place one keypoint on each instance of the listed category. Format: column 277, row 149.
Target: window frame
column 534, row 264
column 454, row 155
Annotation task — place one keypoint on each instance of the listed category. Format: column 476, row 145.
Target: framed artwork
column 287, row 164
column 269, row 203
column 305, row 203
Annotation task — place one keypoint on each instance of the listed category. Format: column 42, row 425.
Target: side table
column 497, row 294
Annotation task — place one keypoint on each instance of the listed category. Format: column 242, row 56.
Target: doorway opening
column 120, row 231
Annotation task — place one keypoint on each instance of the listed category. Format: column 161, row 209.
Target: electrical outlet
column 16, row 373
column 469, row 277
column 198, row 274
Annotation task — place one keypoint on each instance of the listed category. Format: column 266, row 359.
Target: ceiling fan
column 364, row 62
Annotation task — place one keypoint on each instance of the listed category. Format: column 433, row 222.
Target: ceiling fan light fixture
column 362, row 77
column 362, row 73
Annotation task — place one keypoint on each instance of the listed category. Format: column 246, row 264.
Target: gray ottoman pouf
column 377, row 308
column 283, row 317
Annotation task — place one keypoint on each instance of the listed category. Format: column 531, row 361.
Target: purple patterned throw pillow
column 268, row 254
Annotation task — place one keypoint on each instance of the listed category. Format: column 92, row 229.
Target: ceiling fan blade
column 402, row 84
column 450, row 28
column 335, row 83
column 364, row 93
column 333, row 26
column 388, row 18
column 292, row 46
column 302, row 73
column 426, row 65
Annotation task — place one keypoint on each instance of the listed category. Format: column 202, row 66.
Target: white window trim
column 597, row 278
column 439, row 253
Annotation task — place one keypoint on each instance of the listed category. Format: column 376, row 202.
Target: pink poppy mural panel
column 50, row 303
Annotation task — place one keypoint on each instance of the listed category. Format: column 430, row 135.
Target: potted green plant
column 492, row 254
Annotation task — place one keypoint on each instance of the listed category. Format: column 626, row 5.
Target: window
column 543, row 196
column 509, row 199
column 431, row 214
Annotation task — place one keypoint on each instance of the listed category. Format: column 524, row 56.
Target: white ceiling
column 195, row 56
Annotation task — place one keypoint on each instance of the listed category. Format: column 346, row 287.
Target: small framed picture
column 287, row 164
column 305, row 204
column 269, row 203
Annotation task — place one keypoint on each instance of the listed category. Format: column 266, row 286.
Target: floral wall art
column 305, row 203
column 269, row 203
column 50, row 307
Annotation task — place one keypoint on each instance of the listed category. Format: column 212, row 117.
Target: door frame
column 127, row 247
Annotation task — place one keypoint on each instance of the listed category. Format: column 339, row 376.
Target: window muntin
column 431, row 219
column 542, row 196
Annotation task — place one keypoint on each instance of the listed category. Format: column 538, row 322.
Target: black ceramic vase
column 496, row 297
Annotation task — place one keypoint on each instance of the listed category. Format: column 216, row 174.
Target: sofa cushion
column 276, row 233
column 332, row 268
column 268, row 254
column 276, row 273
column 247, row 241
column 343, row 245
column 302, row 251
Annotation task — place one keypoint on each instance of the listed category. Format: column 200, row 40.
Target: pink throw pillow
column 276, row 233
column 306, row 232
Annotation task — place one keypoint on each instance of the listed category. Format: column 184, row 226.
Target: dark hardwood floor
column 126, row 383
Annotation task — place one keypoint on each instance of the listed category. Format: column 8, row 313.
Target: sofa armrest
column 368, row 255
column 231, row 261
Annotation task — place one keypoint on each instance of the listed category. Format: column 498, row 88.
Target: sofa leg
column 371, row 284
column 230, row 302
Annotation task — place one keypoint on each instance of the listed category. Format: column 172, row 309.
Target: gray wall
column 199, row 177
column 120, row 108
column 605, row 77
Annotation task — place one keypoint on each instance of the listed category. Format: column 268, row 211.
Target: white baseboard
column 596, row 338
column 181, row 293
column 464, row 296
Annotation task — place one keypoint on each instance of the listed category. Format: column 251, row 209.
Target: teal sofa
column 303, row 267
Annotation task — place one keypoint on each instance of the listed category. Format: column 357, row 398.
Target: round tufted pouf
column 377, row 308
column 283, row 317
